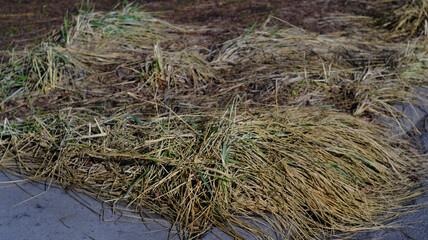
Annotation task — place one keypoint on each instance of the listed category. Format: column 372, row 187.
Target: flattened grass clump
column 137, row 43
column 101, row 53
column 288, row 65
column 40, row 69
column 305, row 171
column 411, row 18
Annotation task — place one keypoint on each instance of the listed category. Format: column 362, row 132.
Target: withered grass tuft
column 411, row 18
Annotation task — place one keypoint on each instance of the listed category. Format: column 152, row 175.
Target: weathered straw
column 288, row 65
column 111, row 53
column 306, row 171
column 411, row 18
column 122, row 110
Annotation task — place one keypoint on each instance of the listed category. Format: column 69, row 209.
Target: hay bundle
column 306, row 172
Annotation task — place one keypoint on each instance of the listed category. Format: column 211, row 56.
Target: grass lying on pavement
column 132, row 116
column 308, row 171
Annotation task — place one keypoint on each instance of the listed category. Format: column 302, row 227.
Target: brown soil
column 27, row 22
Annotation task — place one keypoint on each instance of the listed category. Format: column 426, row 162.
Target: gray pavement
column 55, row 215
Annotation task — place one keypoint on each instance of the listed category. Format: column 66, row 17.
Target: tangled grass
column 288, row 65
column 118, row 49
column 411, row 18
column 264, row 133
column 305, row 171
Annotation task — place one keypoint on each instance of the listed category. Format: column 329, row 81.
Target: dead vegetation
column 289, row 65
column 278, row 127
column 306, row 171
column 410, row 19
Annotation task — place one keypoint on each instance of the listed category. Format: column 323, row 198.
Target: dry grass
column 306, row 171
column 127, row 52
column 411, row 18
column 134, row 117
column 288, row 65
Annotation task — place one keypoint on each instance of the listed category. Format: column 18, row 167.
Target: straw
column 277, row 130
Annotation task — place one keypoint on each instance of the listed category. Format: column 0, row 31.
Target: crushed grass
column 308, row 170
column 118, row 107
column 288, row 65
column 410, row 19
column 129, row 49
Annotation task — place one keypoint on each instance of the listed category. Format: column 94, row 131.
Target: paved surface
column 53, row 214
column 56, row 215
